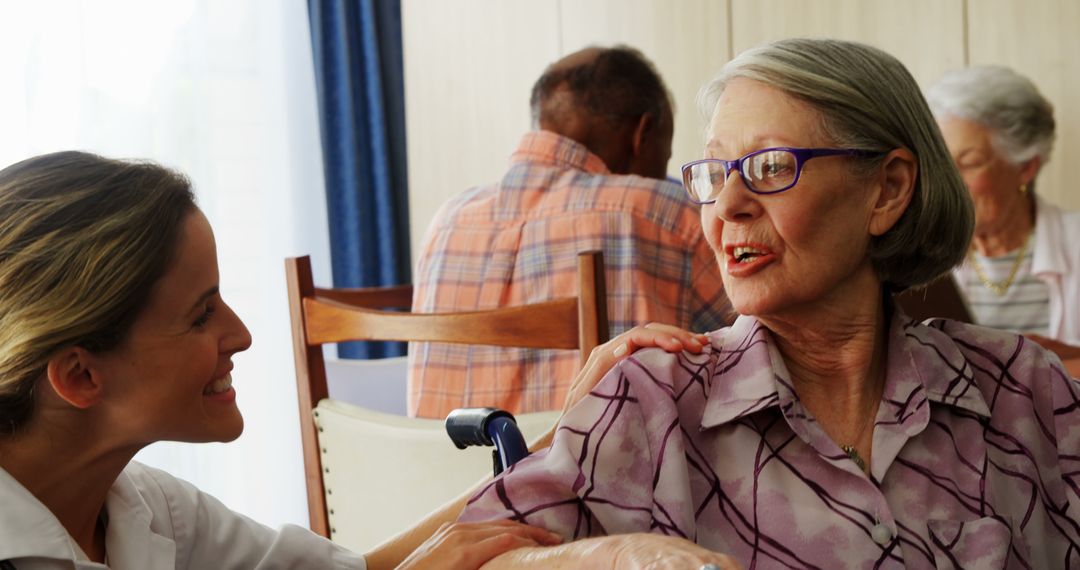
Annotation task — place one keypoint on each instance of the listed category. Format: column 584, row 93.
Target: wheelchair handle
column 509, row 444
column 488, row 426
column 468, row 426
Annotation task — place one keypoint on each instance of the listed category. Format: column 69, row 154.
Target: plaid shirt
column 516, row 242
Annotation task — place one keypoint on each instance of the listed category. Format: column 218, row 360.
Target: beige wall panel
column 469, row 66
column 1042, row 41
column 687, row 40
column 927, row 35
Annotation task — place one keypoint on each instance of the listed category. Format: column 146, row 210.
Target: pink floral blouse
column 976, row 459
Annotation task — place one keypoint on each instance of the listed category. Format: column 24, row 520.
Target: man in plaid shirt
column 592, row 176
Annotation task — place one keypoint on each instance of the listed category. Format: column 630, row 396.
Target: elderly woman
column 115, row 335
column 824, row 428
column 1023, row 270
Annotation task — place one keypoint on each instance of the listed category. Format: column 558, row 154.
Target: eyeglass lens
column 767, row 171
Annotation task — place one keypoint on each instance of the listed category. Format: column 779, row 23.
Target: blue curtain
column 358, row 68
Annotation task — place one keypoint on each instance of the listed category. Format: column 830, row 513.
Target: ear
column 1029, row 170
column 69, row 374
column 899, row 171
column 643, row 133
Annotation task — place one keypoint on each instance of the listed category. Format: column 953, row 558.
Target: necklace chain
column 853, row 454
column 851, row 451
column 999, row 287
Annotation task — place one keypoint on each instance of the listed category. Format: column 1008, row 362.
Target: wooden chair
column 321, row 316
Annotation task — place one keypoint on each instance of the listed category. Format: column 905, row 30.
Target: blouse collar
column 923, row 364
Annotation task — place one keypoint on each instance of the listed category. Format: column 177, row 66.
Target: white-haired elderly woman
column 824, row 428
column 1023, row 269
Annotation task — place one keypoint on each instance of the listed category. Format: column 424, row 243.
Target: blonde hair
column 867, row 100
column 83, row 239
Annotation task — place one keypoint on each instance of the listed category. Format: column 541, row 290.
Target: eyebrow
column 757, row 143
column 969, row 150
column 202, row 298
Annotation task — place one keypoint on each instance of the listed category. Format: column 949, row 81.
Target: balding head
column 611, row 100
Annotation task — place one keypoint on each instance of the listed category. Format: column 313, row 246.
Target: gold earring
column 1023, row 189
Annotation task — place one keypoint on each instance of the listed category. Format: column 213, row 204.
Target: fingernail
column 695, row 343
column 621, row 349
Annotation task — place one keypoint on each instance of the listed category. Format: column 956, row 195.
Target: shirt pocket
column 979, row 543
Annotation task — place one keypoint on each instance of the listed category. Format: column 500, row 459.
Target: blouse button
column 881, row 534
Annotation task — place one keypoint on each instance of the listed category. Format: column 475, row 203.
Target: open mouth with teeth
column 746, row 259
column 219, row 386
column 746, row 254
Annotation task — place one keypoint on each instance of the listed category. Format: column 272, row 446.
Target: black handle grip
column 468, row 426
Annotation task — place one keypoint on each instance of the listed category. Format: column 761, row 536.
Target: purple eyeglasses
column 765, row 171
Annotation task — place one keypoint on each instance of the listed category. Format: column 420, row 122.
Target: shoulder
column 1018, row 378
column 462, row 203
column 154, row 484
column 662, row 382
column 639, row 188
column 1070, row 221
column 659, row 367
column 173, row 506
column 1065, row 223
column 207, row 534
column 167, row 501
column 660, row 202
column 991, row 351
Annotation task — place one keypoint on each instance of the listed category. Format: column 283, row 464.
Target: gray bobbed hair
column 1007, row 103
column 868, row 100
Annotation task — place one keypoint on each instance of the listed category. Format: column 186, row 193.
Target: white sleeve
column 210, row 535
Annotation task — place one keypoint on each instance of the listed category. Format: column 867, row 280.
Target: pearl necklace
column 999, row 287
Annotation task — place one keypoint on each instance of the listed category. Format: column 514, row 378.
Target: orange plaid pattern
column 516, row 242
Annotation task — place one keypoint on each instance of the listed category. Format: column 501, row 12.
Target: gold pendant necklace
column 853, row 454
column 850, row 450
column 999, row 287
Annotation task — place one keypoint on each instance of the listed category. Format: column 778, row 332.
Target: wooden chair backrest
column 321, row 316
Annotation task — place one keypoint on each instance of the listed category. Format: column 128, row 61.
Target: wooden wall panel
column 1042, row 41
column 686, row 40
column 927, row 35
column 469, row 67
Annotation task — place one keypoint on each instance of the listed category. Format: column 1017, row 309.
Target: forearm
column 570, row 555
column 391, row 553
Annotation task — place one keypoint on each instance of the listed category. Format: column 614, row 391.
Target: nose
column 237, row 337
column 736, row 203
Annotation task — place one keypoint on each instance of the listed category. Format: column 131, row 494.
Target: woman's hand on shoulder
column 604, row 357
column 468, row 546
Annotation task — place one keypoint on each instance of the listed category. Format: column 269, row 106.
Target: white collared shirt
column 159, row 522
